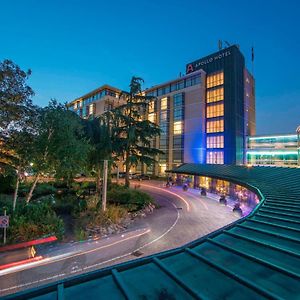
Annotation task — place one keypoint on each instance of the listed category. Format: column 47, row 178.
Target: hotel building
column 204, row 115
column 96, row 102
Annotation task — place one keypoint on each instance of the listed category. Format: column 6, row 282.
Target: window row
column 215, row 79
column 94, row 97
column 179, row 85
column 215, row 95
column 215, row 126
column 215, row 111
column 215, row 157
column 215, row 141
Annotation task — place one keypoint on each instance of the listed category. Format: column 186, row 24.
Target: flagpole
column 252, row 60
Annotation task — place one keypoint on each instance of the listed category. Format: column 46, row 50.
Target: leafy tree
column 17, row 120
column 15, row 97
column 98, row 134
column 22, row 141
column 134, row 133
column 60, row 146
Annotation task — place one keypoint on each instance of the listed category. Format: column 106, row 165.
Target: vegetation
column 54, row 142
column 134, row 133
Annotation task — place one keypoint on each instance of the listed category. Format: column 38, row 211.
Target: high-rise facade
column 205, row 115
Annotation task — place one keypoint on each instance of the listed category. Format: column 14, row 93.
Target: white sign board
column 4, row 221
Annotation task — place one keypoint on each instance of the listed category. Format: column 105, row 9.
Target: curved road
column 181, row 218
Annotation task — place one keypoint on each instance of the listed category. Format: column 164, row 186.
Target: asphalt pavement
column 181, row 218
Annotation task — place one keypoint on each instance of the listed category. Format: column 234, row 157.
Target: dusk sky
column 74, row 46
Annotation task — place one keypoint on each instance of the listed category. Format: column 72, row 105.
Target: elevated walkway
column 256, row 257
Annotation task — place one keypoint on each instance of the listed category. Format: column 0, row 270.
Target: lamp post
column 298, row 144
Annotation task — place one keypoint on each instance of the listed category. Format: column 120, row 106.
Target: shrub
column 133, row 199
column 44, row 189
column 115, row 213
column 33, row 221
column 80, row 234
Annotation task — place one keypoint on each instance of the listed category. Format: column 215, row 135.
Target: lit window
column 163, row 168
column 91, row 109
column 151, row 117
column 215, row 95
column 151, row 107
column 215, row 126
column 215, row 79
column 215, row 141
column 178, row 127
column 163, row 103
column 215, row 157
column 215, row 111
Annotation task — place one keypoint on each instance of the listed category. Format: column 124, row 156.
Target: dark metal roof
column 254, row 258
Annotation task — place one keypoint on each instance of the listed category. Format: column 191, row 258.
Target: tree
column 15, row 97
column 60, row 147
column 17, row 118
column 134, row 133
column 21, row 144
column 98, row 133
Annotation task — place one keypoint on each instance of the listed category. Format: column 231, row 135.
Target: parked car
column 132, row 175
column 142, row 177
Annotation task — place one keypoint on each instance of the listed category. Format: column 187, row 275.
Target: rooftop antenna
column 227, row 44
column 220, row 45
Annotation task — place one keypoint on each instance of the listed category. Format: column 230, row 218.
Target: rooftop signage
column 204, row 61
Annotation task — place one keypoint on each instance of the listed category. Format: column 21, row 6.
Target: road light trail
column 176, row 195
column 58, row 258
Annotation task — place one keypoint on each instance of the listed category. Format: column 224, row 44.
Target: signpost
column 4, row 223
column 104, row 184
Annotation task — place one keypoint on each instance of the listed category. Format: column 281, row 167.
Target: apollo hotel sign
column 199, row 63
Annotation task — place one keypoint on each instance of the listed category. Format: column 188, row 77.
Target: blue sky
column 73, row 46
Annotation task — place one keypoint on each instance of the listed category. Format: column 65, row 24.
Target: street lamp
column 298, row 143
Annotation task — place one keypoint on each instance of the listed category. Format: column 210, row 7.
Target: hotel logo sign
column 198, row 64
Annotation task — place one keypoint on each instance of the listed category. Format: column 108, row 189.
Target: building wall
column 194, row 125
column 204, row 115
column 180, row 112
column 231, row 62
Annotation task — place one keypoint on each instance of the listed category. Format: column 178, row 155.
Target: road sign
column 4, row 221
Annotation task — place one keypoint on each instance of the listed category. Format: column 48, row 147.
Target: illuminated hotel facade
column 205, row 115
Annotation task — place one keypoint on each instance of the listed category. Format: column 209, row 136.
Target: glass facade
column 216, row 141
column 215, row 117
column 84, row 108
column 214, row 111
column 273, row 150
column 215, row 95
column 215, row 79
column 176, row 86
column 214, row 157
column 215, row 126
column 178, row 119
